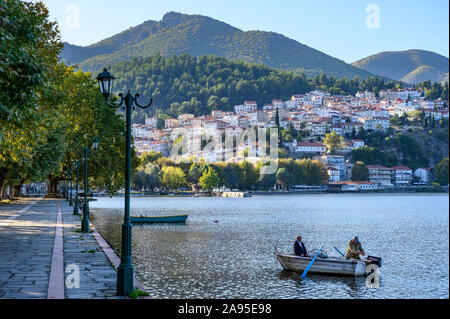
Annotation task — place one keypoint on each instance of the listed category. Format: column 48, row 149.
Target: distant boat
column 329, row 266
column 159, row 219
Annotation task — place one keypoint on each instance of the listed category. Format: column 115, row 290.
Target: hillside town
column 315, row 114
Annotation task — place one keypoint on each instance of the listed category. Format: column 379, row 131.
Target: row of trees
column 433, row 91
column 49, row 112
column 156, row 171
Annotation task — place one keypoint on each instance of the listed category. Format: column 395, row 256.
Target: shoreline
column 262, row 193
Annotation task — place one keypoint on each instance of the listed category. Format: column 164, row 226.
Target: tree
column 194, row 174
column 152, row 179
column 247, row 175
column 209, row 179
column 333, row 142
column 267, row 180
column 85, row 116
column 172, row 177
column 360, row 172
column 314, row 172
column 149, row 157
column 29, row 135
column 353, row 134
column 284, row 178
column 277, row 118
column 232, row 179
column 441, row 172
column 29, row 49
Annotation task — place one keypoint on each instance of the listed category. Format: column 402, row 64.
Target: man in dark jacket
column 299, row 247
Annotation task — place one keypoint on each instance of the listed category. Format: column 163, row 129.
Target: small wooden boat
column 159, row 219
column 329, row 266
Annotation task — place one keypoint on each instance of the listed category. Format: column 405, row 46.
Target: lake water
column 234, row 257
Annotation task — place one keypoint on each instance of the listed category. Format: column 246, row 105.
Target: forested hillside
column 186, row 84
column 199, row 35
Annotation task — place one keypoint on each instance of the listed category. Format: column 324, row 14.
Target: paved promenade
column 43, row 254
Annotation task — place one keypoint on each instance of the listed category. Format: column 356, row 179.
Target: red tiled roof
column 353, row 183
column 310, row 144
column 376, row 166
column 401, row 168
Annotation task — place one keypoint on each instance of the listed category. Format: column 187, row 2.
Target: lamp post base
column 125, row 280
column 85, row 221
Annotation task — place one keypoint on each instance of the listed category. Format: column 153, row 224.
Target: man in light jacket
column 354, row 249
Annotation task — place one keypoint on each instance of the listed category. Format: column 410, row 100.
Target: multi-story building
column 402, row 176
column 151, row 122
column 333, row 174
column 248, row 106
column 423, row 176
column 403, row 94
column 380, row 175
column 169, row 123
column 145, row 146
column 306, row 148
column 337, row 161
column 348, row 171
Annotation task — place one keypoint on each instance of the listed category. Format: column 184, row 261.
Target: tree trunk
column 3, row 175
column 52, row 189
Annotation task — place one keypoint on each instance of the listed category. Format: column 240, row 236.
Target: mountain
column 199, row 35
column 410, row 66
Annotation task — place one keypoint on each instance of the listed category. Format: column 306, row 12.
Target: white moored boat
column 329, row 265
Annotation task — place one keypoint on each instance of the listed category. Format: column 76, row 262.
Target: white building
column 423, row 175
column 310, row 148
column 402, row 176
column 248, row 106
column 151, row 121
column 349, row 186
column 403, row 94
column 337, row 161
column 333, row 174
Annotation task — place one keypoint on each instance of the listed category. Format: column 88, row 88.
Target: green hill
column 200, row 35
column 198, row 85
column 410, row 66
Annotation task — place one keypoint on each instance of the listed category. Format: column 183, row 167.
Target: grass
column 138, row 293
column 78, row 230
column 92, row 251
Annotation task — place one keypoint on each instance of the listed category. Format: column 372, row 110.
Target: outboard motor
column 375, row 260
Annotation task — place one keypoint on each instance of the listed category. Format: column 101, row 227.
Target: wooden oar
column 305, row 272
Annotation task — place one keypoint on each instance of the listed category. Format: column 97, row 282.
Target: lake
column 234, row 257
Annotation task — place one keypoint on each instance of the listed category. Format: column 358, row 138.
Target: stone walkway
column 44, row 255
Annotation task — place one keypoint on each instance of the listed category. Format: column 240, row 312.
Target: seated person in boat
column 299, row 247
column 354, row 248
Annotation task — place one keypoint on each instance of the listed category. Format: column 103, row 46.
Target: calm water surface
column 234, row 257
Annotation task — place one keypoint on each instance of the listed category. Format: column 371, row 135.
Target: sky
column 346, row 29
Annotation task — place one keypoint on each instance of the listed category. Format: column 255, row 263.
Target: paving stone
column 28, row 240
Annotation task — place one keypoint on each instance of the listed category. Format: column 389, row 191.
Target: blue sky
column 336, row 27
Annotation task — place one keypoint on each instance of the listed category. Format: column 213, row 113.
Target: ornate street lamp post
column 75, row 208
column 85, row 221
column 65, row 184
column 71, row 188
column 125, row 273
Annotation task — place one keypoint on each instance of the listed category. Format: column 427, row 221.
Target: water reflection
column 234, row 258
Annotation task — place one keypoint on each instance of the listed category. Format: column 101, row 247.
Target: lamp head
column 105, row 82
